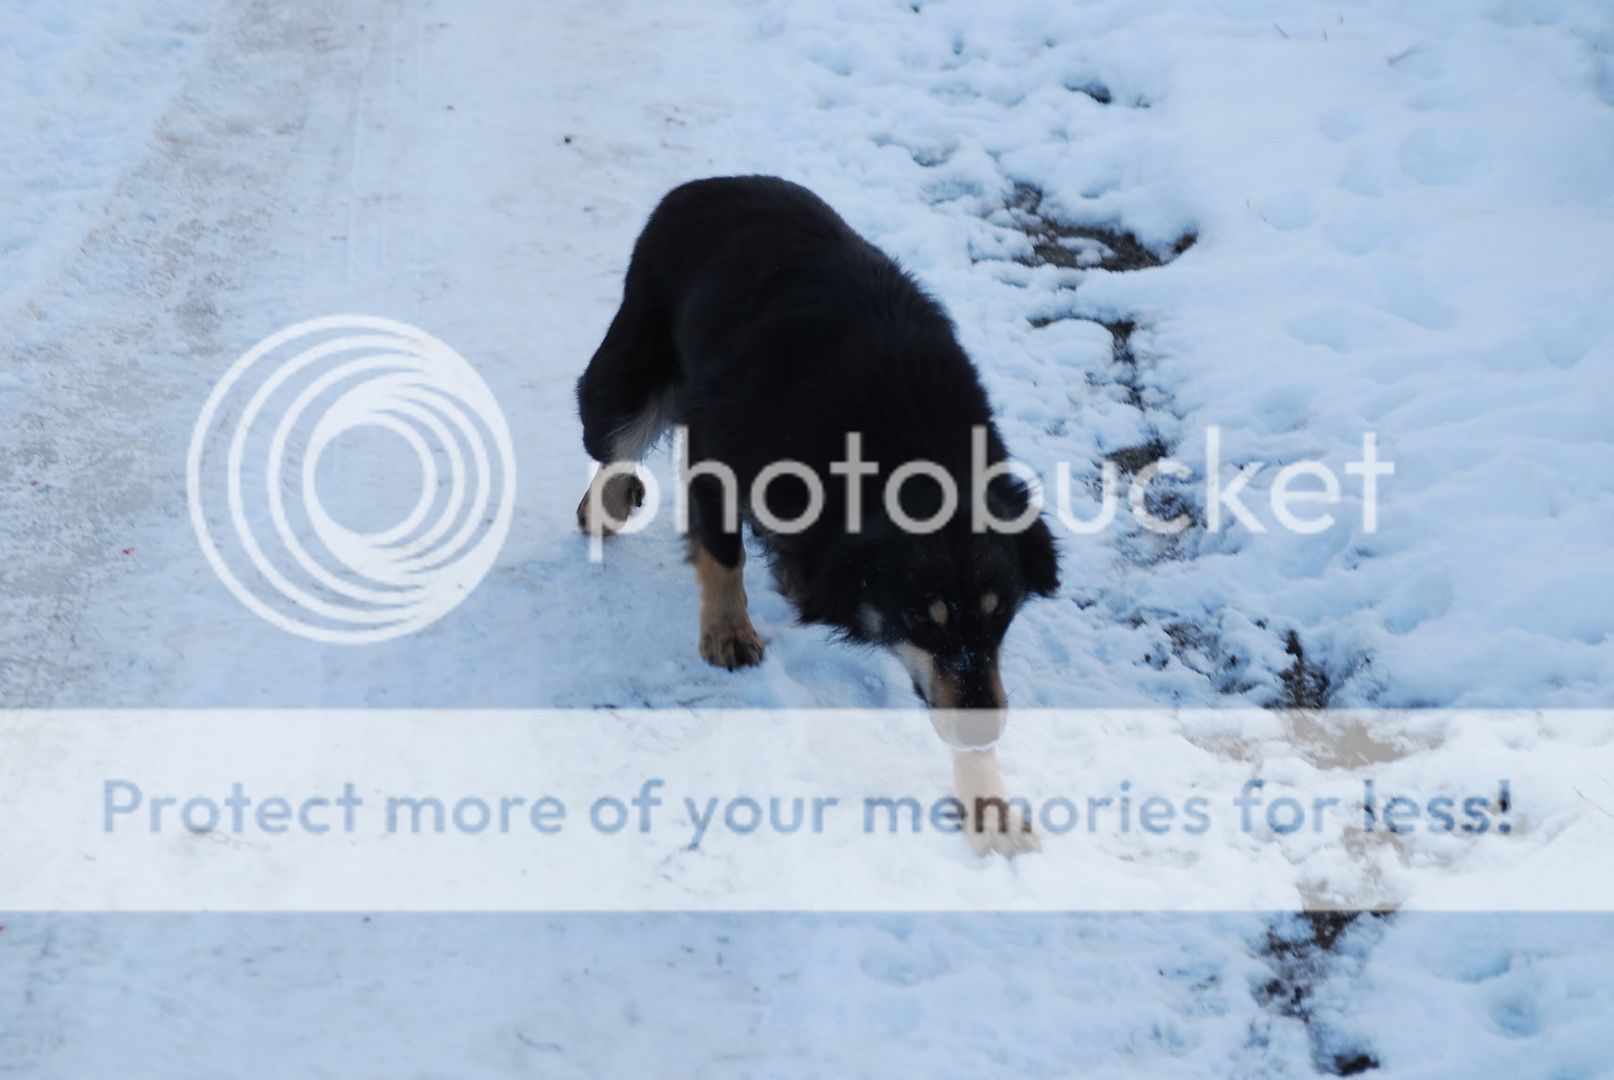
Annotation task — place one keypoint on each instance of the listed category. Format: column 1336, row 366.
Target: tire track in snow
column 73, row 130
column 128, row 346
column 382, row 181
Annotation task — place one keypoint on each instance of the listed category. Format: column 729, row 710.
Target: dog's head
column 941, row 601
column 944, row 604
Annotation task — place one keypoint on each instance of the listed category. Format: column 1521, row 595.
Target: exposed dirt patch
column 1061, row 243
column 1336, row 741
column 1126, row 360
column 1134, row 459
column 1304, row 961
column 1102, row 94
column 1228, row 671
column 1305, row 685
column 1303, row 950
column 1095, row 90
column 1302, row 953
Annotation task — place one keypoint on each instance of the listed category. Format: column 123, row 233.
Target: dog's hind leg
column 622, row 399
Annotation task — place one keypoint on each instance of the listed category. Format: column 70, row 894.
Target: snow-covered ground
column 1400, row 214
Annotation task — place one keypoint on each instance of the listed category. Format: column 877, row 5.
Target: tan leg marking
column 728, row 640
column 609, row 501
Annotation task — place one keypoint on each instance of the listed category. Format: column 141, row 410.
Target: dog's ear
column 1039, row 558
column 1034, row 545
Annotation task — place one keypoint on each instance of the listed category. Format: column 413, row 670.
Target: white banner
column 755, row 810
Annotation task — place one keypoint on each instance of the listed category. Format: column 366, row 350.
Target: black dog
column 756, row 318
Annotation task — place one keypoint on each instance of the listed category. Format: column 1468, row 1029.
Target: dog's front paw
column 731, row 646
column 990, row 824
column 988, row 832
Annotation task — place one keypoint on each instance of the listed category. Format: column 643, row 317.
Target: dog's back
column 789, row 330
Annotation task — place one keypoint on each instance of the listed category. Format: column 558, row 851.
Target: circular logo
column 254, row 472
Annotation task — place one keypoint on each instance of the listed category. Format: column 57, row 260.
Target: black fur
column 755, row 316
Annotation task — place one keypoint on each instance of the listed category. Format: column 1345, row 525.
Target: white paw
column 991, row 832
column 607, row 505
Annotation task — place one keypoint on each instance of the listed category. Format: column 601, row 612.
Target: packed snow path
column 1400, row 218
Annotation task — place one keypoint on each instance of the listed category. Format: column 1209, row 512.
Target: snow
column 1402, row 213
column 1534, row 982
column 646, row 995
